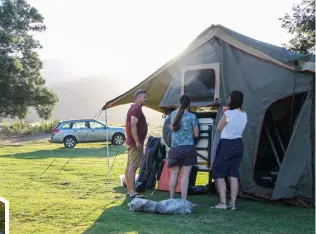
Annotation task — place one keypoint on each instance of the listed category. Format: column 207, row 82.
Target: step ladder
column 203, row 146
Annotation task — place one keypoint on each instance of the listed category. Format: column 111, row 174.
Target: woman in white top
column 230, row 149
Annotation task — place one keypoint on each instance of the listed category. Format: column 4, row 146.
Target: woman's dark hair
column 184, row 102
column 236, row 99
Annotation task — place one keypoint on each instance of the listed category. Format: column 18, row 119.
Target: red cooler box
column 163, row 183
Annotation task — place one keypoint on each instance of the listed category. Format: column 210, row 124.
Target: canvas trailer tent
column 278, row 87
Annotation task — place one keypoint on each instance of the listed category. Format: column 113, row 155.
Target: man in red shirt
column 136, row 131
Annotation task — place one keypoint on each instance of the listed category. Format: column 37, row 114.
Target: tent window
column 199, row 84
column 275, row 137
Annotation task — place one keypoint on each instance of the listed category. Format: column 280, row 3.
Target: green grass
column 73, row 196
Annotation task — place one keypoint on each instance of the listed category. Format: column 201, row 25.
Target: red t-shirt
column 135, row 110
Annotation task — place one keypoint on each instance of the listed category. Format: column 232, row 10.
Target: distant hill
column 83, row 97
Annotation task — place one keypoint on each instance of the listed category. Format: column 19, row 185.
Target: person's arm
column 134, row 122
column 135, row 117
column 195, row 127
column 222, row 123
column 196, row 132
column 171, row 120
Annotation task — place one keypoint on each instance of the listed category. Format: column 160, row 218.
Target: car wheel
column 70, row 142
column 118, row 139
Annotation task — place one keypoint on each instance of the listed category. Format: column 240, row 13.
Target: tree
column 22, row 112
column 21, row 84
column 302, row 26
column 44, row 112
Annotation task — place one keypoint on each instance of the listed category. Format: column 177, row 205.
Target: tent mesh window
column 275, row 135
column 199, row 84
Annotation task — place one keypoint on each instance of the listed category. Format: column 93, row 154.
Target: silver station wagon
column 71, row 132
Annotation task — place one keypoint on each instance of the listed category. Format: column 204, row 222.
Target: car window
column 96, row 125
column 66, row 126
column 80, row 125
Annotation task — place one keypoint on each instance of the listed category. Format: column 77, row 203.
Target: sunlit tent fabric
column 269, row 76
column 158, row 82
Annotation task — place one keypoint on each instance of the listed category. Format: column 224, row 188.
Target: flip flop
column 136, row 195
column 217, row 207
column 231, row 207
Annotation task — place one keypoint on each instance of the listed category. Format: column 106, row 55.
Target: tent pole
column 313, row 140
column 273, row 147
column 209, row 155
column 107, row 144
column 279, row 138
column 277, row 133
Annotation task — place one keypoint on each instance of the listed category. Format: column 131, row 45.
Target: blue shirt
column 184, row 136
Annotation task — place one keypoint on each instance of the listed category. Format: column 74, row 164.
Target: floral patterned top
column 184, row 136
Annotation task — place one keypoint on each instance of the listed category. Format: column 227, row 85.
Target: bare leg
column 185, row 181
column 233, row 191
column 222, row 189
column 173, row 181
column 131, row 179
column 126, row 178
column 221, row 185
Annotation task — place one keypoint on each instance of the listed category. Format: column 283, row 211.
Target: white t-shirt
column 236, row 123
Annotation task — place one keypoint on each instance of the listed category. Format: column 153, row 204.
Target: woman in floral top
column 183, row 151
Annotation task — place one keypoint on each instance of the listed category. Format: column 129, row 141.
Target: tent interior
column 199, row 85
column 274, row 138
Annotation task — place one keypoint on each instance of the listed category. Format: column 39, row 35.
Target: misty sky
column 131, row 39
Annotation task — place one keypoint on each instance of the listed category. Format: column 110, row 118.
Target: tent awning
column 157, row 83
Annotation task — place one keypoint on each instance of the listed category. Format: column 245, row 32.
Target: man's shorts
column 134, row 156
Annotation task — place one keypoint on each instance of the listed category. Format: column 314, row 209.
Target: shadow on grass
column 93, row 152
column 250, row 217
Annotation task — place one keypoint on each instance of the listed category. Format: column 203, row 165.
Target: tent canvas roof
column 157, row 83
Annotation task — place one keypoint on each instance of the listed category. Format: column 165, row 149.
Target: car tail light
column 55, row 130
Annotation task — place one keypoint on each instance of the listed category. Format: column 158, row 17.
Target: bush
column 25, row 128
column 116, row 125
column 47, row 127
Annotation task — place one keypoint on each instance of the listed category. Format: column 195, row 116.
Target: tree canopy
column 302, row 26
column 21, row 84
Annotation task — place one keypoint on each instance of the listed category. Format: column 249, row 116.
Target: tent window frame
column 214, row 66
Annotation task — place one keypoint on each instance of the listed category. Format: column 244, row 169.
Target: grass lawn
column 74, row 196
